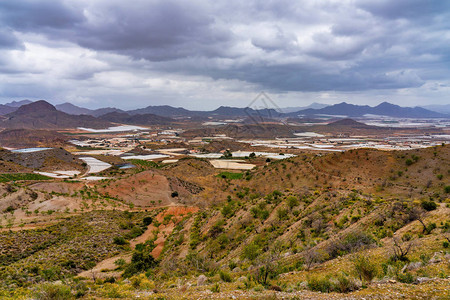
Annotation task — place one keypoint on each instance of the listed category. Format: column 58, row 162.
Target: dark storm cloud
column 31, row 15
column 8, row 40
column 278, row 45
column 410, row 9
column 154, row 30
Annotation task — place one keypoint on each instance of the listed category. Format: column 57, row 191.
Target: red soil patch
column 177, row 212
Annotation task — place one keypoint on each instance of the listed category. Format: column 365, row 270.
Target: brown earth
column 26, row 138
column 46, row 160
column 144, row 189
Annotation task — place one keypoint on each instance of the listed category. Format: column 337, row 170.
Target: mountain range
column 383, row 109
column 313, row 105
column 41, row 114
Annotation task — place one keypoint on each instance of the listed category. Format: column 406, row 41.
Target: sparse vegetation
column 294, row 226
column 7, row 177
column 230, row 175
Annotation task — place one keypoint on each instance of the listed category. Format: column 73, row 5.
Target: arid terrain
column 341, row 210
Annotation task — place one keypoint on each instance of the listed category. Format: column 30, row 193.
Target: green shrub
column 9, row 209
column 345, row 284
column 250, row 251
column 406, row 277
column 224, row 276
column 282, row 214
column 230, row 175
column 215, row 288
column 352, row 241
column 120, row 240
column 147, row 221
column 134, row 232
column 120, row 263
column 109, row 279
column 141, row 261
column 429, row 205
column 447, row 189
column 364, row 268
column 53, row 292
column 292, row 202
column 319, row 284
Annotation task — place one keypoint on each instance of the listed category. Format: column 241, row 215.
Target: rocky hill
column 43, row 115
column 24, row 138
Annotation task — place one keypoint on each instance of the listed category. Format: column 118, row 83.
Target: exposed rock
column 236, row 270
column 412, row 266
column 201, row 280
column 437, row 258
column 287, row 254
column 420, row 280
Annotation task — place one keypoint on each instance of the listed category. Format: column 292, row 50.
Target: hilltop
column 43, row 115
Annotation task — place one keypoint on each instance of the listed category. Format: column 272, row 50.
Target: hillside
column 139, row 119
column 4, row 109
column 12, row 106
column 43, row 115
column 23, row 138
column 44, row 160
column 361, row 224
column 72, row 109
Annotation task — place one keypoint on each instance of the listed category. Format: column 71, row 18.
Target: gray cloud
column 38, row 15
column 8, row 40
column 280, row 46
column 409, row 9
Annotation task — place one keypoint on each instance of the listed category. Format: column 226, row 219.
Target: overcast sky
column 203, row 54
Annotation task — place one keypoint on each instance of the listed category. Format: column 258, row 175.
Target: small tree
column 418, row 213
column 267, row 265
column 401, row 250
column 312, row 256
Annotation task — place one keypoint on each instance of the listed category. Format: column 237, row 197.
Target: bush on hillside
column 351, row 242
column 364, row 268
column 429, row 205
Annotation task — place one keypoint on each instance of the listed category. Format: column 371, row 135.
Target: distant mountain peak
column 347, row 122
column 383, row 109
column 18, row 103
column 40, row 105
column 386, row 104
